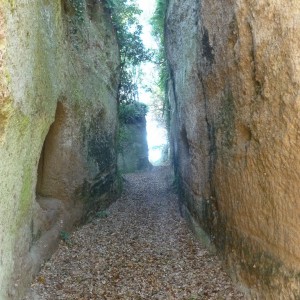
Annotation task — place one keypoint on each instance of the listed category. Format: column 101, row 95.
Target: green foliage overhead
column 158, row 20
column 124, row 15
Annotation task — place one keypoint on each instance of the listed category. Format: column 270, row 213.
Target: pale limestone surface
column 234, row 93
column 62, row 69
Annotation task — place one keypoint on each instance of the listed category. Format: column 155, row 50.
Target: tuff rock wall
column 58, row 119
column 133, row 148
column 234, row 93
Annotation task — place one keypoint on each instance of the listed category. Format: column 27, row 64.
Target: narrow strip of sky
column 156, row 133
column 148, row 7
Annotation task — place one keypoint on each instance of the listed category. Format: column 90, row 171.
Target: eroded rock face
column 234, row 92
column 58, row 121
column 133, row 149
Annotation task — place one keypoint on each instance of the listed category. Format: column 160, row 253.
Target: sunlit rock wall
column 59, row 66
column 234, row 93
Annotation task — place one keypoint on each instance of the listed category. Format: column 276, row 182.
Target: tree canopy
column 124, row 15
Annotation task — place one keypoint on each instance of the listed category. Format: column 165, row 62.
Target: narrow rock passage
column 143, row 249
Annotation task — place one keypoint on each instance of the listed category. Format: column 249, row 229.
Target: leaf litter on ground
column 139, row 248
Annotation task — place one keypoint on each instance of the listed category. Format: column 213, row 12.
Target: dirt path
column 143, row 249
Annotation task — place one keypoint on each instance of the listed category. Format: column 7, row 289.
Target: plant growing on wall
column 158, row 26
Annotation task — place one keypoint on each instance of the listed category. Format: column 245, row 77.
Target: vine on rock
column 158, row 28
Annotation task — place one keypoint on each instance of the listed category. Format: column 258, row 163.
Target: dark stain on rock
column 100, row 191
column 226, row 121
column 185, row 142
column 207, row 50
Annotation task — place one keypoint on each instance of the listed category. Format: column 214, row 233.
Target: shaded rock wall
column 133, row 150
column 59, row 66
column 234, row 93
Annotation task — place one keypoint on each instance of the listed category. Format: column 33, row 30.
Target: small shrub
column 102, row 214
column 65, row 236
column 132, row 112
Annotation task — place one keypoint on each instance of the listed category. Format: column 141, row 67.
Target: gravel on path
column 139, row 249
